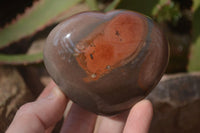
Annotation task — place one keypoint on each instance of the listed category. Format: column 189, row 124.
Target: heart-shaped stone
column 106, row 62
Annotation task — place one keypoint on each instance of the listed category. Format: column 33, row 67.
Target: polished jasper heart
column 106, row 62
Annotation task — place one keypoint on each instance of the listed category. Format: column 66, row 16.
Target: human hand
column 41, row 116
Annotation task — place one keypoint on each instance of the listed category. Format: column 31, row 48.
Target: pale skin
column 41, row 116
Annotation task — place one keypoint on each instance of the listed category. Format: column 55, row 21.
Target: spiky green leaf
column 112, row 5
column 21, row 59
column 34, row 19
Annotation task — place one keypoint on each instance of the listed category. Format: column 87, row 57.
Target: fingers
column 139, row 118
column 114, row 124
column 108, row 125
column 38, row 116
column 79, row 120
column 47, row 90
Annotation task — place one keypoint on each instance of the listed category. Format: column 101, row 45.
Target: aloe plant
column 36, row 18
column 194, row 64
column 41, row 14
column 20, row 59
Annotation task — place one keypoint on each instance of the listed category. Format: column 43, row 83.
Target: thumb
column 36, row 117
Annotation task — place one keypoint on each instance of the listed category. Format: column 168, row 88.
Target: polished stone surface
column 106, row 62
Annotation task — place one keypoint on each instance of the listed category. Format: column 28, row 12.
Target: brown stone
column 105, row 65
column 176, row 102
column 13, row 93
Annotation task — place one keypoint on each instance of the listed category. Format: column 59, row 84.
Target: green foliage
column 194, row 64
column 144, row 6
column 196, row 19
column 167, row 11
column 34, row 20
column 21, row 59
column 113, row 5
column 196, row 4
column 92, row 4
